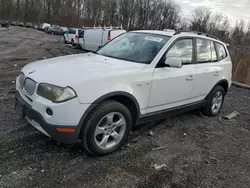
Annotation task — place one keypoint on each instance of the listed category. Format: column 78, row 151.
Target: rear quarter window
column 222, row 54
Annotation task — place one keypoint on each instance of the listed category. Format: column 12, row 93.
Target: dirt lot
column 199, row 151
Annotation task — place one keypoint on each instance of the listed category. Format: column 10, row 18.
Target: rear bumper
column 36, row 119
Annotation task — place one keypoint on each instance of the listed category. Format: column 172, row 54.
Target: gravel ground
column 198, row 151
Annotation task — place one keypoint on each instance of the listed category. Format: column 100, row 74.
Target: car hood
column 73, row 69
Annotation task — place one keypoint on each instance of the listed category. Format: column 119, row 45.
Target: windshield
column 136, row 47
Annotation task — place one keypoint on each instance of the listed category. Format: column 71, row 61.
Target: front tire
column 215, row 101
column 107, row 127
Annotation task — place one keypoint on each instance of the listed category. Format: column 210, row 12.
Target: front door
column 173, row 87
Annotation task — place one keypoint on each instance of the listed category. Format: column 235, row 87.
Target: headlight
column 55, row 93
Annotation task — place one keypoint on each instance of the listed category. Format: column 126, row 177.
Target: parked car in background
column 71, row 36
column 65, row 29
column 55, row 26
column 96, row 38
column 45, row 25
column 137, row 77
column 57, row 30
column 52, row 29
column 4, row 23
column 39, row 27
column 81, row 40
column 21, row 24
column 29, row 25
column 46, row 29
column 13, row 23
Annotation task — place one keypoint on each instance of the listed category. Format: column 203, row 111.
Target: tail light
column 76, row 36
column 109, row 37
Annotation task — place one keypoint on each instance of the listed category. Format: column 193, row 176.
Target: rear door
column 209, row 71
column 93, row 39
column 81, row 40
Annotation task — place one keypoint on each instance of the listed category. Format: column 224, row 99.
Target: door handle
column 216, row 73
column 190, row 78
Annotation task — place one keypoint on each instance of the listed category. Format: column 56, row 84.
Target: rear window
column 72, row 31
column 81, row 35
column 79, row 31
column 222, row 54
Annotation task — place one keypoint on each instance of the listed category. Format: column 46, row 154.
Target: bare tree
column 201, row 17
column 132, row 14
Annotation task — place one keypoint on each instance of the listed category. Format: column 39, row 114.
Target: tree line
column 131, row 14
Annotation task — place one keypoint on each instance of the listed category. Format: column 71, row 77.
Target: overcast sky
column 233, row 9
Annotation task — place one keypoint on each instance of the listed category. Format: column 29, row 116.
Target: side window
column 221, row 51
column 182, row 49
column 204, row 54
column 81, row 34
column 79, row 31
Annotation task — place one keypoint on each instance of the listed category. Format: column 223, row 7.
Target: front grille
column 29, row 86
column 21, row 80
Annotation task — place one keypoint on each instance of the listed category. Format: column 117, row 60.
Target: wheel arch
column 223, row 83
column 122, row 97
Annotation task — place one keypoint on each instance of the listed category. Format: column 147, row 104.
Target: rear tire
column 106, row 128
column 74, row 45
column 215, row 101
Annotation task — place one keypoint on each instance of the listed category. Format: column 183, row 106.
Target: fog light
column 49, row 111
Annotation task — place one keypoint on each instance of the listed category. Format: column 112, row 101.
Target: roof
column 172, row 33
column 204, row 36
column 158, row 32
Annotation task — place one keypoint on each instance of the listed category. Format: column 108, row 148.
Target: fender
column 219, row 83
column 102, row 98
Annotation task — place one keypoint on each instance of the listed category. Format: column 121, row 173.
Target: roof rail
column 104, row 27
column 196, row 32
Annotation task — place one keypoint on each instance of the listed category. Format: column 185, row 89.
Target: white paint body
column 95, row 38
column 72, row 36
column 81, row 40
column 81, row 43
column 45, row 25
column 93, row 76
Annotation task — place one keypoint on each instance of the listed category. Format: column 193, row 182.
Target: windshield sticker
column 155, row 39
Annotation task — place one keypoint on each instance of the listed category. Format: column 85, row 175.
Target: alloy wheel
column 110, row 130
column 217, row 102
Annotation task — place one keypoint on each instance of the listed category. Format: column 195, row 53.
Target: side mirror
column 173, row 62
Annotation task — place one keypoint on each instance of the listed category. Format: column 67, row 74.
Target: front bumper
column 37, row 120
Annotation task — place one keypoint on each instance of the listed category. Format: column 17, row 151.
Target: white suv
column 71, row 36
column 137, row 77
